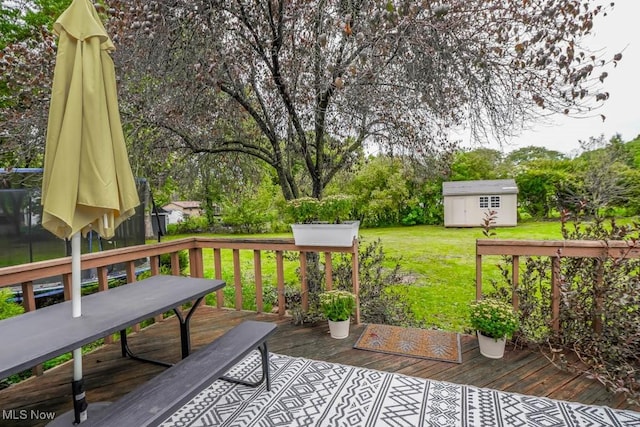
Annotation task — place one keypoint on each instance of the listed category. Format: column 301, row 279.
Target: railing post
column 328, row 270
column 217, row 266
column 257, row 272
column 280, row 279
column 597, row 297
column 304, row 285
column 355, row 278
column 66, row 285
column 478, row 276
column 515, row 279
column 555, row 294
column 28, row 298
column 154, row 265
column 237, row 276
column 175, row 263
column 195, row 262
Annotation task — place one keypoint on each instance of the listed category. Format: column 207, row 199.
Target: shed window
column 495, row 201
column 484, row 202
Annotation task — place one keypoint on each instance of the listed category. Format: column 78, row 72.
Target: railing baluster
column 515, row 278
column 217, row 265
column 195, row 262
column 237, row 278
column 154, row 265
column 66, row 285
column 175, row 263
column 103, row 286
column 355, row 277
column 257, row 272
column 555, row 294
column 478, row 277
column 304, row 284
column 280, row 279
column 28, row 298
column 328, row 270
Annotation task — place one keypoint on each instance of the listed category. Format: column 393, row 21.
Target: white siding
column 465, row 211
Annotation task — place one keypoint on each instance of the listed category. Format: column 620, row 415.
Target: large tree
column 305, row 85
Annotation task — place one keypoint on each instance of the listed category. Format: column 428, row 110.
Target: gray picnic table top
column 34, row 337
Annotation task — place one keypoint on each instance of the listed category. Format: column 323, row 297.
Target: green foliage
column 165, row 262
column 381, row 192
column 191, row 225
column 594, row 291
column 8, row 308
column 383, row 298
column 337, row 305
column 335, row 209
column 252, row 211
column 482, row 163
column 493, row 318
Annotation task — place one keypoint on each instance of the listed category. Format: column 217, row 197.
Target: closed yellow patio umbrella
column 87, row 182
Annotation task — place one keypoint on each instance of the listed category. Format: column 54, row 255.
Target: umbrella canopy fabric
column 87, row 182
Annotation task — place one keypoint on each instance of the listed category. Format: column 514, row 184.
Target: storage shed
column 467, row 202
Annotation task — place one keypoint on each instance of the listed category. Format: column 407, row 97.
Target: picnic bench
column 154, row 401
column 34, row 337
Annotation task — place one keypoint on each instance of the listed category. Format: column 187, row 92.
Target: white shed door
column 459, row 214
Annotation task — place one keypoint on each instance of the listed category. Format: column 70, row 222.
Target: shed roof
column 493, row 186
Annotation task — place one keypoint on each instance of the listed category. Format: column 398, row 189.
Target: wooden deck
column 108, row 376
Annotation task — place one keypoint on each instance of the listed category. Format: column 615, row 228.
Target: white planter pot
column 325, row 234
column 339, row 329
column 490, row 347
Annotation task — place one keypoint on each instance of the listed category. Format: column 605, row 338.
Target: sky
column 617, row 32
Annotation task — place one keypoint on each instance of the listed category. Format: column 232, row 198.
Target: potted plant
column 322, row 222
column 337, row 307
column 494, row 321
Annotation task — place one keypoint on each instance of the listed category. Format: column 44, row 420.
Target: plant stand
column 490, row 347
column 325, row 234
column 339, row 329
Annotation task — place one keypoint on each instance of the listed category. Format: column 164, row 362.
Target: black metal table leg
column 185, row 339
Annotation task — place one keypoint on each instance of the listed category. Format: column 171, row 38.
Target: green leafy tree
column 481, row 163
column 538, row 182
column 320, row 80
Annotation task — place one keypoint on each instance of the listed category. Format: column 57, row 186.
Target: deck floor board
column 108, row 376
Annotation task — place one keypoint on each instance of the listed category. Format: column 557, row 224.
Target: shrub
column 600, row 314
column 8, row 308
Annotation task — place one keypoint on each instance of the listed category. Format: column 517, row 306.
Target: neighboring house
column 187, row 208
column 467, row 202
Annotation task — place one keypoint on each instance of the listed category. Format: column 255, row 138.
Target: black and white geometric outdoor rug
column 311, row 393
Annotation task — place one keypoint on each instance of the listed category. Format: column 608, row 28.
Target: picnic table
column 36, row 336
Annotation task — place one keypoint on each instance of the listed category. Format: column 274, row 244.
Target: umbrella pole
column 77, row 386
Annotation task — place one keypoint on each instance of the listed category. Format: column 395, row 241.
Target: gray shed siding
column 466, row 202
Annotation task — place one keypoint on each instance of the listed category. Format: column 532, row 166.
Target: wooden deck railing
column 554, row 249
column 25, row 274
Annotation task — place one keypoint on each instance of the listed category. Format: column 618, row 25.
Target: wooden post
column 237, row 279
column 355, row 278
column 515, row 278
column 217, row 266
column 597, row 297
column 280, row 278
column 175, row 263
column 257, row 271
column 555, row 293
column 195, row 262
column 304, row 285
column 328, row 270
column 28, row 298
column 478, row 277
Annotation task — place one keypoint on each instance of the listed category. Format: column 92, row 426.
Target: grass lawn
column 438, row 262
